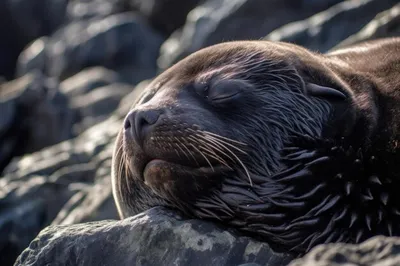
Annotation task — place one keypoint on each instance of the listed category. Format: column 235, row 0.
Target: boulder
column 324, row 30
column 385, row 24
column 215, row 21
column 155, row 237
column 94, row 94
column 66, row 183
column 34, row 115
column 79, row 10
column 165, row 16
column 121, row 42
column 22, row 22
column 63, row 184
column 379, row 250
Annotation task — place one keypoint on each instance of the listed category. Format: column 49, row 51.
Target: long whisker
column 179, row 143
column 223, row 144
column 219, row 136
column 205, row 157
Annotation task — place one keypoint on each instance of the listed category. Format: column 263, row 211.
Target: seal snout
column 139, row 123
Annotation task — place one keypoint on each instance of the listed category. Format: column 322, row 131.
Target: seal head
column 269, row 138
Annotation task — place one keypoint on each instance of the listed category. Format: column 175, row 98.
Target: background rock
column 74, row 84
column 385, row 24
column 215, row 21
column 155, row 237
column 120, row 42
column 324, row 30
column 23, row 21
column 164, row 15
column 34, row 115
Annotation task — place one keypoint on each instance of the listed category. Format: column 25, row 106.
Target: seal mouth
column 161, row 170
column 173, row 180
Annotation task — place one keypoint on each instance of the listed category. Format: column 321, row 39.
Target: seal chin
column 168, row 178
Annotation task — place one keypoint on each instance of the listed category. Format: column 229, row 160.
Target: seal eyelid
column 202, row 89
column 226, row 90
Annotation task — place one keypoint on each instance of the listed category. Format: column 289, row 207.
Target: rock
column 63, row 184
column 85, row 9
column 379, row 250
column 164, row 15
column 87, row 80
column 120, row 42
column 94, row 94
column 33, row 58
column 155, row 237
column 385, row 24
column 23, row 21
column 323, row 31
column 68, row 182
column 222, row 20
column 34, row 115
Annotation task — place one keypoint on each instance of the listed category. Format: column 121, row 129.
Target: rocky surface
column 34, row 114
column 155, row 237
column 120, row 42
column 222, row 20
column 324, row 30
column 83, row 64
column 375, row 251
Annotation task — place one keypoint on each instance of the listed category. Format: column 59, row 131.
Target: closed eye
column 226, row 90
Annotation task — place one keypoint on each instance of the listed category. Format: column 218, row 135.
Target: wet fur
column 313, row 163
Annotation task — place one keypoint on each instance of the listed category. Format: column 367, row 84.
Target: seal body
column 292, row 147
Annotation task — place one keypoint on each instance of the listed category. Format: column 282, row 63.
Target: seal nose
column 140, row 122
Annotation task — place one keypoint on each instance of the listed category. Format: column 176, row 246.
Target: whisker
column 222, row 144
column 203, row 156
column 219, row 136
column 226, row 143
column 179, row 146
column 191, row 154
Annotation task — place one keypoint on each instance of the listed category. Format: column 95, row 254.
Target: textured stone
column 323, row 31
column 85, row 9
column 385, row 24
column 120, row 42
column 65, row 183
column 376, row 251
column 155, row 237
column 164, row 15
column 34, row 115
column 22, row 22
column 222, row 20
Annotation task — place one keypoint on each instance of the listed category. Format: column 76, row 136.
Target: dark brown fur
column 309, row 166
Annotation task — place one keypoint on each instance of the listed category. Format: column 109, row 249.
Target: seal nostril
column 127, row 124
column 139, row 123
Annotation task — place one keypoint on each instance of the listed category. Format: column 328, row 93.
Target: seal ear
column 324, row 92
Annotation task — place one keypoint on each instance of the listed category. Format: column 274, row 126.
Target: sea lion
column 290, row 146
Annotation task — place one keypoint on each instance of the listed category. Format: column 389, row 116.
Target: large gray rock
column 385, row 24
column 164, row 15
column 377, row 251
column 323, row 31
column 215, row 21
column 121, row 42
column 94, row 94
column 37, row 112
column 155, row 237
column 64, row 184
column 34, row 115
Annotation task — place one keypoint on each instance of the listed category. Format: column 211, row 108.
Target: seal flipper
column 322, row 91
